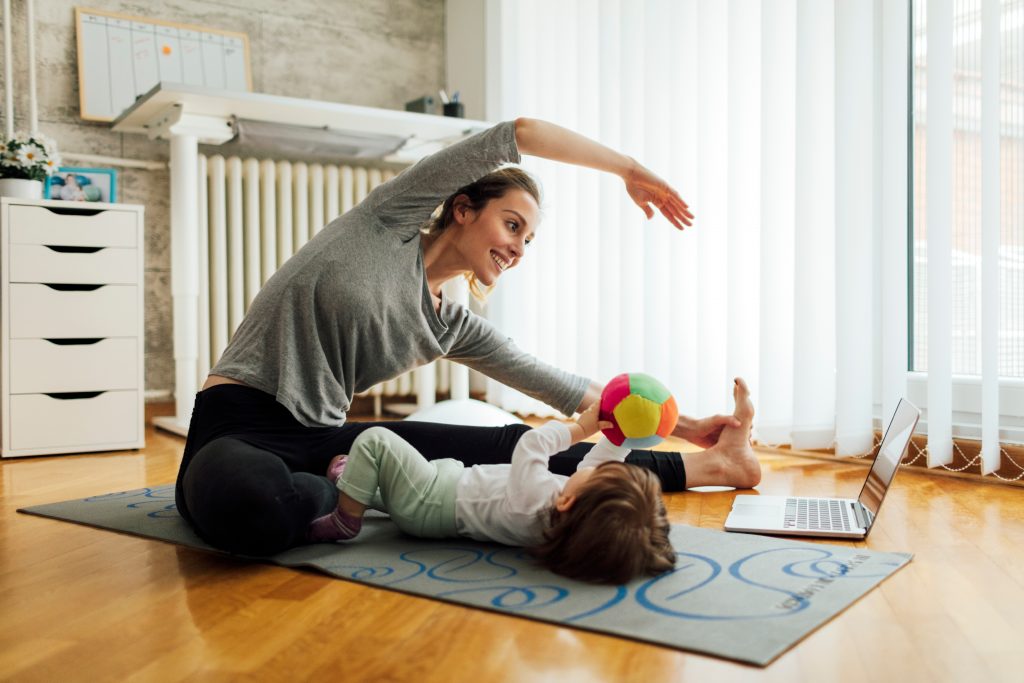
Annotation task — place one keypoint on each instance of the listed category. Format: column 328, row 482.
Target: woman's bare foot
column 744, row 412
column 732, row 461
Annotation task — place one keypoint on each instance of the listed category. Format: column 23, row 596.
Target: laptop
column 831, row 517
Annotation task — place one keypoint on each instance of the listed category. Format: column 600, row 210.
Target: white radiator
column 253, row 215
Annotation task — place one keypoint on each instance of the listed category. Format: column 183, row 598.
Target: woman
column 362, row 303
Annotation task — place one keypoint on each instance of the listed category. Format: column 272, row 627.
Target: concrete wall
column 377, row 53
column 466, row 58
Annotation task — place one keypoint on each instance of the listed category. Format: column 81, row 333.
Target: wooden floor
column 80, row 604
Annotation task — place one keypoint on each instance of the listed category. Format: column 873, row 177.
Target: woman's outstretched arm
column 549, row 141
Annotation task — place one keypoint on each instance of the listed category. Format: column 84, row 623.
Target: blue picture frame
column 89, row 184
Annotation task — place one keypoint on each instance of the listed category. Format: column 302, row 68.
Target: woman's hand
column 703, row 432
column 645, row 188
column 549, row 141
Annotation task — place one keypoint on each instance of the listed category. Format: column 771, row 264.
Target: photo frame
column 82, row 185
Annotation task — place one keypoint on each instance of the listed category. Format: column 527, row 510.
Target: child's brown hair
column 615, row 530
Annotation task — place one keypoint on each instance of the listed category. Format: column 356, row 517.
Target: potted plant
column 25, row 162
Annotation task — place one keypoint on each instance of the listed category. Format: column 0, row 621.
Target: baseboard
column 966, row 460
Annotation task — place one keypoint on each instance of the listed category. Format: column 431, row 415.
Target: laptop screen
column 890, row 453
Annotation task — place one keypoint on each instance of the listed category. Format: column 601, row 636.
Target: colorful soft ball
column 642, row 411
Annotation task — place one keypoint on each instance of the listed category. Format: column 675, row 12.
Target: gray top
column 352, row 308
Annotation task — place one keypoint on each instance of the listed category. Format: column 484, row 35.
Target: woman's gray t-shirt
column 352, row 308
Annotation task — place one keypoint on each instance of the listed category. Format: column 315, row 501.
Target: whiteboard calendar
column 121, row 58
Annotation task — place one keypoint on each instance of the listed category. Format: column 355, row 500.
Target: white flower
column 32, row 157
column 29, row 155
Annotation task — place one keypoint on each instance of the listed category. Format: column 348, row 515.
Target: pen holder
column 455, row 109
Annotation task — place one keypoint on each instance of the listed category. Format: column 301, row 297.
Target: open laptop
column 830, row 517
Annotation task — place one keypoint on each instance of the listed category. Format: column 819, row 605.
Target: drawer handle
column 73, row 212
column 77, row 341
column 74, row 395
column 73, row 288
column 73, row 250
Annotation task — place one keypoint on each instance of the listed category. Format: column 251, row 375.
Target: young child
column 606, row 523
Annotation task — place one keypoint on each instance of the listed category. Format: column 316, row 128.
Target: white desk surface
column 292, row 110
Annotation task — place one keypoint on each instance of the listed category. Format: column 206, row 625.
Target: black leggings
column 252, row 477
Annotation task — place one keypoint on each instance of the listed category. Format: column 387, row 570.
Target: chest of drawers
column 71, row 373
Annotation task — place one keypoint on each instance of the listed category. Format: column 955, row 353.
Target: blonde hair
column 616, row 529
column 494, row 185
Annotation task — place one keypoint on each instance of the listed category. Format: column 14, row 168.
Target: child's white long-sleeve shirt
column 511, row 503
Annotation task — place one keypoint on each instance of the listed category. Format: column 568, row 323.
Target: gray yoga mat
column 742, row 597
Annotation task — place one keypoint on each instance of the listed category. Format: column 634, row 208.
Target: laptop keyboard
column 816, row 514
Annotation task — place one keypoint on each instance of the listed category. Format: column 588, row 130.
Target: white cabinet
column 71, row 378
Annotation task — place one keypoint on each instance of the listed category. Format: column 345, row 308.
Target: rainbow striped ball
column 642, row 411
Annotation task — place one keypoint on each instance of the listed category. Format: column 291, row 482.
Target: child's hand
column 588, row 421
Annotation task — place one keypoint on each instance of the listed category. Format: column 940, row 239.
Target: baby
column 606, row 523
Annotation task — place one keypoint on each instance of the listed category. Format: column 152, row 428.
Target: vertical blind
column 783, row 124
column 968, row 114
column 939, row 203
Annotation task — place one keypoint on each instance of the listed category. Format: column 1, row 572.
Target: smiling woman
column 482, row 228
column 361, row 303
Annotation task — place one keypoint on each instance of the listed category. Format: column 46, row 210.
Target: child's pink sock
column 336, row 467
column 336, row 526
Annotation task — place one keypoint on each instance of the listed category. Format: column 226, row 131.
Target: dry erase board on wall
column 122, row 57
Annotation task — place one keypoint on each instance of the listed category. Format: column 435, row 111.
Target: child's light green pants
column 417, row 493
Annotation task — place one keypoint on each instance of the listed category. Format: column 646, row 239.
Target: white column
column 184, row 270
column 184, row 131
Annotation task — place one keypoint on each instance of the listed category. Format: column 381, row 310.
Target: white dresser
column 71, row 378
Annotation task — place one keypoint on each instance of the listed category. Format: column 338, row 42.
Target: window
column 966, row 200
